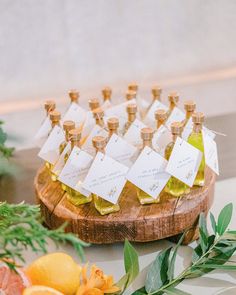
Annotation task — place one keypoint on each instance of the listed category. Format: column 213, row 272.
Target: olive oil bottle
column 131, row 112
column 161, row 117
column 112, row 125
column 174, row 186
column 74, row 96
column 94, row 104
column 196, row 140
column 173, row 98
column 103, row 206
column 67, row 126
column 190, row 107
column 98, row 115
column 130, row 94
column 144, row 198
column 106, row 93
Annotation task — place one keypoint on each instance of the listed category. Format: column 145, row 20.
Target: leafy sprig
column 5, row 152
column 21, row 228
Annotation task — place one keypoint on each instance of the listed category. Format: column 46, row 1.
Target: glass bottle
column 173, row 98
column 196, row 140
column 74, row 96
column 161, row 117
column 147, row 136
column 131, row 112
column 174, row 186
column 106, row 92
column 98, row 115
column 130, row 94
column 190, row 107
column 94, row 104
column 74, row 196
column 103, row 206
column 112, row 125
column 49, row 106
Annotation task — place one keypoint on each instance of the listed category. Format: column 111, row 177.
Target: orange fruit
column 12, row 282
column 41, row 290
column 56, row 270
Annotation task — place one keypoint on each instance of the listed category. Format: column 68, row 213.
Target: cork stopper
column 98, row 113
column 113, row 124
column 147, row 134
column 49, row 106
column 99, row 142
column 130, row 94
column 173, row 97
column 161, row 115
column 176, row 128
column 132, row 108
column 190, row 105
column 133, row 86
column 156, row 92
column 55, row 116
column 68, row 125
column 74, row 95
column 198, row 118
column 94, row 104
column 106, row 92
column 75, row 135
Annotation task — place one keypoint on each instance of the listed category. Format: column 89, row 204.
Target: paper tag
column 50, row 150
column 156, row 105
column 61, row 160
column 42, row 134
column 88, row 145
column 106, row 178
column 76, row 169
column 187, row 129
column 133, row 135
column 120, row 150
column 148, row 172
column 161, row 138
column 184, row 162
column 176, row 116
column 210, row 151
column 106, row 105
column 209, row 132
column 75, row 113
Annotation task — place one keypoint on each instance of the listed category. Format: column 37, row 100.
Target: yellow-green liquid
column 76, row 198
column 145, row 198
column 174, row 186
column 103, row 206
column 196, row 140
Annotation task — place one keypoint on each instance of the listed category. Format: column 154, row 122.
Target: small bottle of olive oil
column 94, row 104
column 49, row 106
column 67, row 126
column 156, row 93
column 103, row 206
column 173, row 98
column 174, row 186
column 147, row 136
column 190, row 107
column 98, row 115
column 161, row 117
column 113, row 125
column 74, row 96
column 74, row 196
column 196, row 140
column 106, row 93
column 130, row 94
column 131, row 112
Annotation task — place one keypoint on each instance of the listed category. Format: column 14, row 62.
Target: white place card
column 50, row 150
column 106, row 105
column 42, row 134
column 133, row 134
column 76, row 169
column 75, row 113
column 211, row 133
column 61, row 160
column 120, row 150
column 184, row 162
column 210, row 151
column 148, row 172
column 176, row 116
column 156, row 105
column 161, row 138
column 106, row 178
column 88, row 144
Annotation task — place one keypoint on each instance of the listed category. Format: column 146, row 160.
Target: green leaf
column 157, row 275
column 213, row 223
column 175, row 291
column 140, row 291
column 197, row 253
column 224, row 218
column 203, row 240
column 202, row 224
column 219, row 266
column 3, row 136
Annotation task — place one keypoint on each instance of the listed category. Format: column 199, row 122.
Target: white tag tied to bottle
column 106, row 105
column 148, row 172
column 42, row 134
column 75, row 113
column 120, row 150
column 106, row 178
column 161, row 138
column 76, row 169
column 176, row 116
column 210, row 151
column 50, row 150
column 184, row 162
column 133, row 133
column 61, row 160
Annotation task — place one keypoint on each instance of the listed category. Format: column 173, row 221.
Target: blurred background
column 50, row 46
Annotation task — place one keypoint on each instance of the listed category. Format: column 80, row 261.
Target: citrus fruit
column 12, row 282
column 56, row 270
column 41, row 290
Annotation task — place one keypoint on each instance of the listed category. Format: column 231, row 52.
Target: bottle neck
column 131, row 117
column 100, row 122
column 197, row 128
column 173, row 104
column 147, row 143
column 55, row 123
column 188, row 114
column 160, row 123
column 101, row 150
column 75, row 143
column 67, row 136
column 174, row 137
column 156, row 97
column 111, row 132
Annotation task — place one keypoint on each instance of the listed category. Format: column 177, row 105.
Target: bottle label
column 184, row 162
column 210, row 152
column 106, row 178
column 176, row 116
column 75, row 113
column 148, row 172
column 61, row 160
column 50, row 150
column 76, row 169
column 133, row 133
column 161, row 138
column 42, row 134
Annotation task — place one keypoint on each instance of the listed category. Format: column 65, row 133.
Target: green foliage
column 5, row 151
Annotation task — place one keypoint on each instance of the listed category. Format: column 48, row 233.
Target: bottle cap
column 133, row 86
column 94, row 103
column 99, row 142
column 161, row 115
column 176, row 128
column 190, row 105
column 49, row 105
column 156, row 91
column 68, row 125
column 132, row 108
column 198, row 118
column 98, row 113
column 106, row 92
column 147, row 133
column 130, row 94
column 75, row 134
column 113, row 123
column 74, row 95
column 55, row 116
column 173, row 97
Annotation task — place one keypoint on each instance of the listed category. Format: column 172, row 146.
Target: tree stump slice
column 167, row 219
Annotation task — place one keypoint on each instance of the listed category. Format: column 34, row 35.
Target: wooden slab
column 138, row 223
